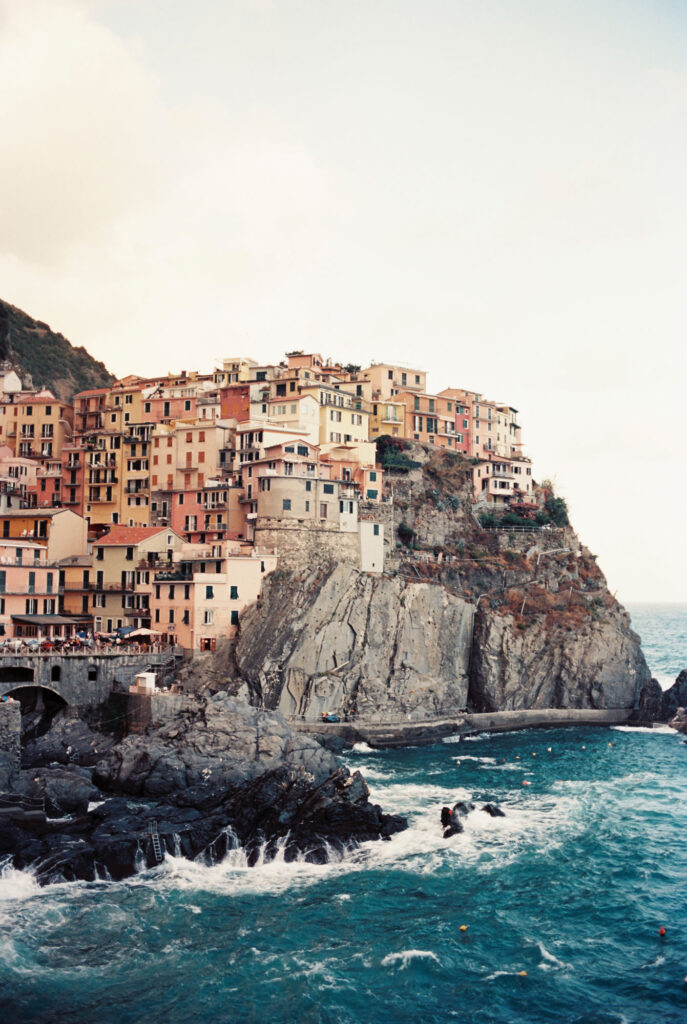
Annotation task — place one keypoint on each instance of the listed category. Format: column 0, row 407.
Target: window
column 207, row 617
column 416, row 402
column 307, row 509
column 234, row 593
column 99, row 554
column 375, row 529
column 328, row 488
column 323, row 510
column 234, row 617
column 373, row 477
column 372, row 494
column 286, row 505
column 129, row 554
column 209, row 592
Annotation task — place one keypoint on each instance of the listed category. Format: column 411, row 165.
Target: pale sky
column 492, row 190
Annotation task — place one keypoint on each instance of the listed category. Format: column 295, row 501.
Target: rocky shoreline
column 221, row 774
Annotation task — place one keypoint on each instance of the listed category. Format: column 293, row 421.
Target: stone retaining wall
column 10, row 740
column 422, row 733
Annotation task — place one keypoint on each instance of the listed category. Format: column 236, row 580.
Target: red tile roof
column 130, row 534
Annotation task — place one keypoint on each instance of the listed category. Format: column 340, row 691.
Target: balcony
column 187, row 467
column 75, row 464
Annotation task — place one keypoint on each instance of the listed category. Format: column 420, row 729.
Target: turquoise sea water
column 571, row 887
column 663, row 629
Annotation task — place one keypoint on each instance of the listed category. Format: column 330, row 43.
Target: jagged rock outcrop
column 379, row 647
column 679, row 721
column 69, row 739
column 597, row 664
column 658, row 705
column 221, row 774
column 674, row 697
column 548, row 634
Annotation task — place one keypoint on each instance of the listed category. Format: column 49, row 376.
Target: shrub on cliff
column 557, row 510
column 390, row 454
column 405, row 534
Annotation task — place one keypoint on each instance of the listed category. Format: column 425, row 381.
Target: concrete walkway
column 409, row 734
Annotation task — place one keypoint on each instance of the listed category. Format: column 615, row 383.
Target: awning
column 45, row 620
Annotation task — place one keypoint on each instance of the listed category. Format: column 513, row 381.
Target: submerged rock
column 679, row 721
column 493, row 810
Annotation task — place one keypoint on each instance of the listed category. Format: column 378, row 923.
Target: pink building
column 29, row 593
column 199, row 600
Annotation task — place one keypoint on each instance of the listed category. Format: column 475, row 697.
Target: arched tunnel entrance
column 38, row 708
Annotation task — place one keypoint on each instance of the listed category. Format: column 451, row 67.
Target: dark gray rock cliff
column 462, row 617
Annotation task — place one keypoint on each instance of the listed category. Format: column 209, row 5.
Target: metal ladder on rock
column 155, row 839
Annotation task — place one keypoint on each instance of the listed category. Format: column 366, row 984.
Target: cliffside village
column 156, row 507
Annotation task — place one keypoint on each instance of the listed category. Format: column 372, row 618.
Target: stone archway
column 39, row 705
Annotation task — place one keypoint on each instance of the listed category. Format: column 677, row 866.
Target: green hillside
column 32, row 348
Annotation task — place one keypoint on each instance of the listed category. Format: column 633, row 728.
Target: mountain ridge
column 34, row 350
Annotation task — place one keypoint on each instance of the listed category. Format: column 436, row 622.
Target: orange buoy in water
column 526, row 783
column 661, row 931
column 463, row 927
column 523, row 974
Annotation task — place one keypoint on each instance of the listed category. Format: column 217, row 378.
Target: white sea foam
column 490, row 735
column 660, row 730
column 551, row 962
column 472, row 757
column 362, row 748
column 656, row 962
column 15, row 884
column 406, row 956
column 375, row 774
column 502, row 974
